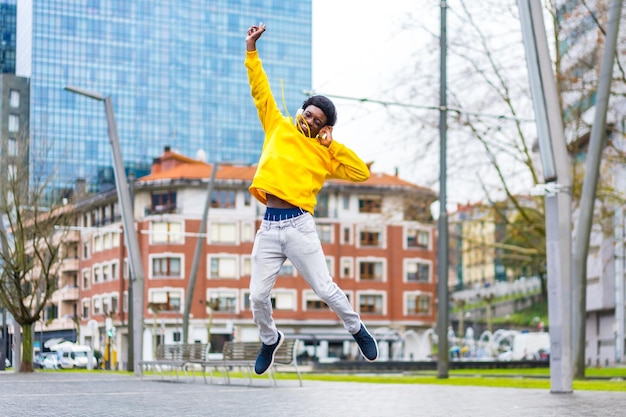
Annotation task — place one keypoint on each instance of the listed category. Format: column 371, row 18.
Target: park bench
column 242, row 356
column 175, row 357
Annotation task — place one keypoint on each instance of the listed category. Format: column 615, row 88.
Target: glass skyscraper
column 173, row 68
column 7, row 36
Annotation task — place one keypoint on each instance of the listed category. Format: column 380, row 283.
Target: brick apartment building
column 377, row 236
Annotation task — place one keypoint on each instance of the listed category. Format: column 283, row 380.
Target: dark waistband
column 277, row 214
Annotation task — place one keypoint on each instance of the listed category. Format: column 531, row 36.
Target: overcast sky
column 359, row 48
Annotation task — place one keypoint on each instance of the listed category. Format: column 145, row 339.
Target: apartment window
column 321, row 210
column 346, row 235
column 86, row 252
column 106, row 305
column 175, row 300
column 223, row 267
column 325, row 232
column 166, row 299
column 86, row 273
column 51, row 312
column 115, row 239
column 223, row 199
column 115, row 274
column 166, row 232
column 247, row 198
column 223, row 233
column 97, row 243
column 115, row 301
column 163, row 202
column 14, row 123
column 246, row 266
column 371, row 238
column 223, row 301
column 313, row 303
column 347, row 266
column 246, row 300
column 167, row 267
column 371, row 271
column 417, row 271
column 283, row 300
column 346, row 202
column 247, row 232
column 125, row 302
column 14, row 99
column 12, row 147
column 86, row 309
column 97, row 306
column 106, row 272
column 416, row 238
column 418, row 304
column 97, row 274
column 370, row 204
column 371, row 304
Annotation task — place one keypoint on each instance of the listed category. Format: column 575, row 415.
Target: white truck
column 72, row 355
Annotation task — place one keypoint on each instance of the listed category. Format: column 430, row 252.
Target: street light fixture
column 136, row 290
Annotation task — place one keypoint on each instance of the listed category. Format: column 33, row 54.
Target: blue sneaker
column 265, row 358
column 367, row 344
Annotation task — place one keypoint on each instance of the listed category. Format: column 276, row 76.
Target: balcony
column 70, row 264
column 160, row 209
column 72, row 236
column 67, row 293
column 60, row 323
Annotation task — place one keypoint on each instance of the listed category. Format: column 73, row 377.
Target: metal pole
column 556, row 166
column 130, row 366
column 3, row 346
column 196, row 257
column 128, row 220
column 442, row 240
column 620, row 236
column 590, row 186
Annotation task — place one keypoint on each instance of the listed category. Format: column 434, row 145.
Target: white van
column 75, row 356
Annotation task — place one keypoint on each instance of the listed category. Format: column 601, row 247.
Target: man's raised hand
column 254, row 33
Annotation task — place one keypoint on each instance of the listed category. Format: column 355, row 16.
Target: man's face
column 311, row 121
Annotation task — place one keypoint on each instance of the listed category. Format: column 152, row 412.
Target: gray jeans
column 295, row 239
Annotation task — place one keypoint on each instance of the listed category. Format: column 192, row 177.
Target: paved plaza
column 102, row 394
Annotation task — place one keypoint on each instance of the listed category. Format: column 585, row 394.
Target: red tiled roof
column 173, row 166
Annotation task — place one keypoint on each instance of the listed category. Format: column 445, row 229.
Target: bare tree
column 492, row 137
column 32, row 231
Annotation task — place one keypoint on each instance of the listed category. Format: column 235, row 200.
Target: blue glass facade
column 7, row 36
column 174, row 69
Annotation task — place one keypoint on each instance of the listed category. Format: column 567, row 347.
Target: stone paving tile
column 102, row 394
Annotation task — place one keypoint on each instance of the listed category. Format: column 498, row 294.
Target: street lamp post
column 123, row 193
column 442, row 238
column 558, row 200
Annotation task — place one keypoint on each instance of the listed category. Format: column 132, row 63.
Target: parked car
column 39, row 361
column 51, row 361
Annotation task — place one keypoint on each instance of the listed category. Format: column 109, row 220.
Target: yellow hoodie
column 292, row 166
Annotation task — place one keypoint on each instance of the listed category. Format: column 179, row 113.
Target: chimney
column 80, row 186
column 156, row 166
